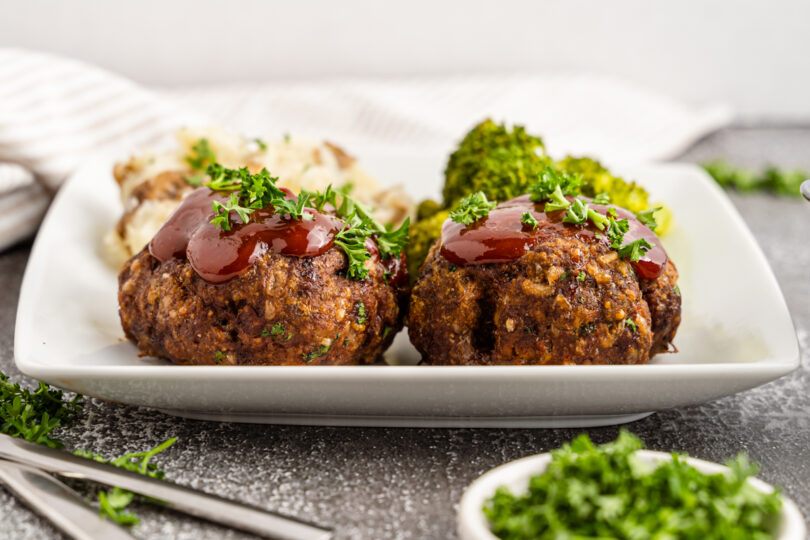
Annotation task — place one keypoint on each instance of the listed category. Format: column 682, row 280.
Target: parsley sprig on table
column 771, row 179
column 33, row 415
column 605, row 491
column 251, row 192
column 113, row 502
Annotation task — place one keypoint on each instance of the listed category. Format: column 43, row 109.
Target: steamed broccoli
column 503, row 164
column 494, row 160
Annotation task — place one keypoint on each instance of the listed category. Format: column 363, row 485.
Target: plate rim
column 770, row 367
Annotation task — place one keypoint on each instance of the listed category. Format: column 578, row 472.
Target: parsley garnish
column 590, row 491
column 318, row 351
column 201, row 155
column 528, row 219
column 265, row 332
column 635, row 249
column 386, row 331
column 113, row 501
column 33, row 415
column 472, row 208
column 771, row 179
column 251, row 192
column 647, row 217
column 581, row 276
column 361, row 312
column 549, row 180
column 602, row 198
column 261, row 144
column 631, row 324
column 219, row 356
column 557, row 201
column 277, row 329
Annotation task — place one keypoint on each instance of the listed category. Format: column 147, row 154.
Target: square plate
column 736, row 331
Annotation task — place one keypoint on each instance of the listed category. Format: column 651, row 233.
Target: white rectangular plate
column 736, row 331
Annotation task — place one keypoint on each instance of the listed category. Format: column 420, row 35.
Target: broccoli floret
column 597, row 179
column 497, row 161
column 502, row 164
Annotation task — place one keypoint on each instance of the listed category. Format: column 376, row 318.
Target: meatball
column 282, row 311
column 568, row 300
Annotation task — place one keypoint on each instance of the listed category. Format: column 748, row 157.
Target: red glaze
column 218, row 256
column 501, row 237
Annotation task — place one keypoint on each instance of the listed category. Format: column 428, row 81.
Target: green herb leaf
column 647, row 217
column 607, row 491
column 602, row 198
column 635, row 249
column 34, row 415
column 529, row 220
column 551, row 181
column 472, row 208
column 201, row 155
column 577, row 212
column 557, row 201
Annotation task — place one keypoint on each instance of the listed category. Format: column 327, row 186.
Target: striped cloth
column 56, row 112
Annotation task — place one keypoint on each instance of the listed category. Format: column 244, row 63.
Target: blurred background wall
column 754, row 55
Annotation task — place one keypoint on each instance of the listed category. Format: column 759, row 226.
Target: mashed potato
column 153, row 184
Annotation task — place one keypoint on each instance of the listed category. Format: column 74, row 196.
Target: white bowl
column 473, row 525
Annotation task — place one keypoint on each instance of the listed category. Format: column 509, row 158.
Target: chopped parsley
column 196, row 180
column 676, row 290
column 33, row 415
column 635, row 249
column 602, row 198
column 317, row 352
column 647, row 217
column 581, row 276
column 472, row 208
column 606, row 491
column 277, row 329
column 219, row 356
column 265, row 332
column 113, row 501
column 528, row 219
column 386, row 331
column 631, row 324
column 201, row 155
column 772, row 179
column 261, row 144
column 549, row 180
column 361, row 312
column 251, row 192
column 557, row 201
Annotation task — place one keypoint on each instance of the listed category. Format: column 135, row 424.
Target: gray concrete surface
column 406, row 483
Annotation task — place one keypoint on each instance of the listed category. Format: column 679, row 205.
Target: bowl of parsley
column 620, row 490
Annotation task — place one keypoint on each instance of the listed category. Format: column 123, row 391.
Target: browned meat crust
column 567, row 301
column 282, row 311
column 664, row 299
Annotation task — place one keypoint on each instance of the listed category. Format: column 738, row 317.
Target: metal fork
column 189, row 501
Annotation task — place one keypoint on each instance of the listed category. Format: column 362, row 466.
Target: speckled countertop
column 406, row 483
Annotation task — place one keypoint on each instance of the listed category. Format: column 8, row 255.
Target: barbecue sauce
column 500, row 237
column 218, row 256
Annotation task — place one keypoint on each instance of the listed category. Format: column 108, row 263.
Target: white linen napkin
column 55, row 112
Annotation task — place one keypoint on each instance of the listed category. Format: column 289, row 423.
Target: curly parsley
column 34, row 415
column 113, row 502
column 251, row 192
column 472, row 208
column 606, row 491
column 529, row 220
